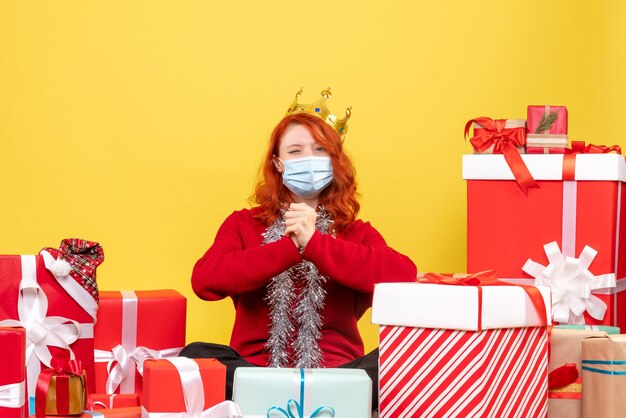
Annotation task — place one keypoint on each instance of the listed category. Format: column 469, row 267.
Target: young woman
column 300, row 267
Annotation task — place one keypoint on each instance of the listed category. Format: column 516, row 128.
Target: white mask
column 307, row 176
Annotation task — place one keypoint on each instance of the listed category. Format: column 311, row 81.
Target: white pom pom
column 60, row 268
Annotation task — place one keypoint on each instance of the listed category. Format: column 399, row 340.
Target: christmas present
column 279, row 392
column 565, row 234
column 566, row 401
column 98, row 401
column 54, row 296
column 13, row 373
column 547, row 121
column 565, row 349
column 547, row 130
column 188, row 387
column 506, row 137
column 606, row 329
column 61, row 389
column 604, row 376
column 467, row 346
column 126, row 335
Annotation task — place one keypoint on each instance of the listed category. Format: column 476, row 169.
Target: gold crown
column 320, row 110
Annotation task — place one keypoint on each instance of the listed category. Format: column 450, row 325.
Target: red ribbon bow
column 62, row 368
column 579, row 147
column 505, row 141
column 488, row 278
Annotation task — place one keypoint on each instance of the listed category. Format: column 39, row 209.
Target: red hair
column 339, row 198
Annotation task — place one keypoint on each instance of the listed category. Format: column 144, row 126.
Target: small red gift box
column 166, row 392
column 547, row 120
column 134, row 326
column 506, row 137
column 57, row 312
column 462, row 350
column 547, row 130
column 13, row 373
column 566, row 234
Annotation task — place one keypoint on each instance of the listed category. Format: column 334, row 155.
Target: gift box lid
column 425, row 305
column 608, row 167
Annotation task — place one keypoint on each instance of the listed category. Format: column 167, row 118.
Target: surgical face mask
column 308, row 176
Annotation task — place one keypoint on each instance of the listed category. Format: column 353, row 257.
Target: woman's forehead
column 296, row 134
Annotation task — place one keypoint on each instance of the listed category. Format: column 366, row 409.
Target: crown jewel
column 320, row 110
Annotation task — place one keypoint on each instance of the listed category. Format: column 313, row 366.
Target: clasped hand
column 300, row 223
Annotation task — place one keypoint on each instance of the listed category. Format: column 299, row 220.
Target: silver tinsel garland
column 296, row 299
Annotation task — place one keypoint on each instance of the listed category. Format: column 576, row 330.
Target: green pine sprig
column 547, row 121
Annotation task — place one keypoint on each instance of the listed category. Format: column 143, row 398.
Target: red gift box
column 57, row 312
column 165, row 392
column 560, row 226
column 461, row 350
column 134, row 326
column 13, row 373
column 98, row 401
column 554, row 118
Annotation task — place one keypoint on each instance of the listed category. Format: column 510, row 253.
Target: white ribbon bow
column 122, row 364
column 41, row 330
column 12, row 395
column 193, row 393
column 571, row 284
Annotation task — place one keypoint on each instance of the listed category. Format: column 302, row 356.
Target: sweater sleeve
column 359, row 265
column 228, row 268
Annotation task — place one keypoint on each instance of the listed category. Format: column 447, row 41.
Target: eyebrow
column 294, row 145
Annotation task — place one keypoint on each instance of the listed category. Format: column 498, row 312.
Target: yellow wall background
column 141, row 124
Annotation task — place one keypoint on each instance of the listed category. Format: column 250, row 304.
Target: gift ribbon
column 571, row 284
column 569, row 278
column 299, row 406
column 124, row 358
column 193, row 394
column 504, row 141
column 41, row 330
column 488, row 278
column 62, row 369
column 13, row 395
column 91, row 404
column 579, row 147
column 605, row 363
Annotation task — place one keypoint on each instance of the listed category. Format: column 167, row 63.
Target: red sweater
column 238, row 266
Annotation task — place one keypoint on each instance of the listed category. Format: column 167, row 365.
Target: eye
column 293, row 151
column 320, row 149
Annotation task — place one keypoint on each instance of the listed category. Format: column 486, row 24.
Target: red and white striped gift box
column 435, row 362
